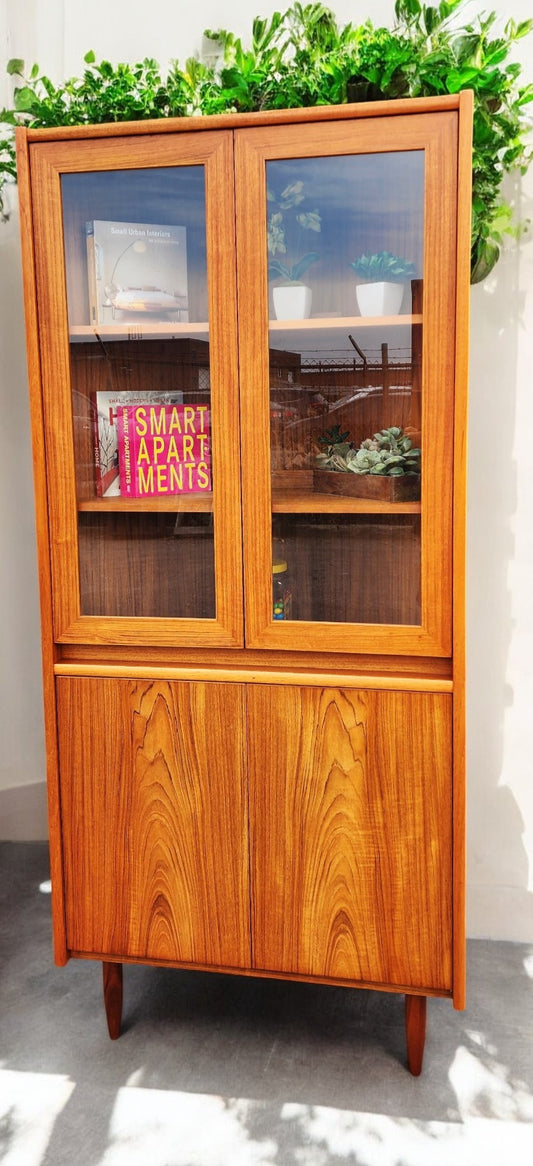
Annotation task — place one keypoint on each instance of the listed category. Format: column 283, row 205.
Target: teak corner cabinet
column 254, row 662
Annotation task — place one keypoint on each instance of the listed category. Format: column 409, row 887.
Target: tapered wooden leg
column 113, row 997
column 415, row 1032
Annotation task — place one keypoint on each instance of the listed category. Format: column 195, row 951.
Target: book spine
column 91, row 274
column 125, row 451
column 98, row 484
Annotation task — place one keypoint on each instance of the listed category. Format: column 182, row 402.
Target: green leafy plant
column 389, row 453
column 383, row 267
column 284, row 219
column 302, row 57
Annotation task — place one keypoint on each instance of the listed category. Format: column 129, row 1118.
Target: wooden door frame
column 48, row 161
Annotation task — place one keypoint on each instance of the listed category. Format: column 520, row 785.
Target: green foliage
column 303, row 58
column 382, row 266
column 388, row 454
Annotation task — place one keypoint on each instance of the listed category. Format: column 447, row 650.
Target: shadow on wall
column 499, row 902
column 22, row 764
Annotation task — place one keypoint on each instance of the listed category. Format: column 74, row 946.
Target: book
column 136, row 271
column 163, row 449
column 105, row 433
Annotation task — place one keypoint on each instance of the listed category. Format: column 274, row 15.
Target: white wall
column 500, row 556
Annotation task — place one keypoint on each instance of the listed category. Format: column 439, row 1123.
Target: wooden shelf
column 307, row 502
column 283, row 502
column 173, row 503
column 143, row 330
column 147, row 330
column 314, row 323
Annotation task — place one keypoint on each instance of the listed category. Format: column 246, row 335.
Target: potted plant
column 383, row 276
column 285, row 227
column 385, row 466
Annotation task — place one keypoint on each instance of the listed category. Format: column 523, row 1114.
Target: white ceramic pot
column 292, row 302
column 379, row 299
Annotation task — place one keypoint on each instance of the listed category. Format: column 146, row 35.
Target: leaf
column 302, row 265
column 24, row 99
column 90, row 57
column 15, row 67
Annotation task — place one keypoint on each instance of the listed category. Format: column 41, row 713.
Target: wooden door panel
column 421, row 632
column 91, row 601
column 154, row 819
column 350, row 831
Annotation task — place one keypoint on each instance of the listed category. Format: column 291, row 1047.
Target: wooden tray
column 395, row 489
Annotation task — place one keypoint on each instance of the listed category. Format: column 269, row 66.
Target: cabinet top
column 319, row 113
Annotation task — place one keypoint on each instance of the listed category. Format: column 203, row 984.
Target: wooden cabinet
column 254, row 658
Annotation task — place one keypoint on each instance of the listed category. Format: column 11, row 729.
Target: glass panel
column 135, row 254
column 345, row 386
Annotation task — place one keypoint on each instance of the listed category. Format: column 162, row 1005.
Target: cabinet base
column 415, row 1015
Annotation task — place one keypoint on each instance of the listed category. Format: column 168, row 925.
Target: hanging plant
column 303, row 58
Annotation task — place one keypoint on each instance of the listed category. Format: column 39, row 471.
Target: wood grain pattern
column 350, row 810
column 415, row 667
column 154, row 819
column 363, row 109
column 235, row 675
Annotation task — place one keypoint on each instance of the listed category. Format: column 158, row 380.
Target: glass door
column 349, row 359
column 140, row 380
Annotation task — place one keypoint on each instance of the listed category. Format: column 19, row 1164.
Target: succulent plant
column 382, row 266
column 388, row 453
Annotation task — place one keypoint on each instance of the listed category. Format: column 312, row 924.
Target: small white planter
column 379, row 299
column 292, row 302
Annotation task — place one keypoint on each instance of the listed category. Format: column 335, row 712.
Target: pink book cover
column 163, row 449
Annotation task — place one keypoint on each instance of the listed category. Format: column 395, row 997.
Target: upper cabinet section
column 266, row 304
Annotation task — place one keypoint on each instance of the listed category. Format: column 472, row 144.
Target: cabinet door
column 350, row 812
column 362, row 561
column 154, row 820
column 135, row 265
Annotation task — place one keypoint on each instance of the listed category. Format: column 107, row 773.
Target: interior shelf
column 307, row 502
column 283, row 502
column 186, row 503
column 143, row 330
column 313, row 323
column 146, row 330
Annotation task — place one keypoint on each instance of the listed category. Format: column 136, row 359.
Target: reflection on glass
column 362, row 568
column 135, row 257
column 345, row 383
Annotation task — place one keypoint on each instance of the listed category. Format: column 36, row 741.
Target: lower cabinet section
column 328, row 810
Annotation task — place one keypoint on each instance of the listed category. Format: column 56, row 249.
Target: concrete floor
column 217, row 1070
